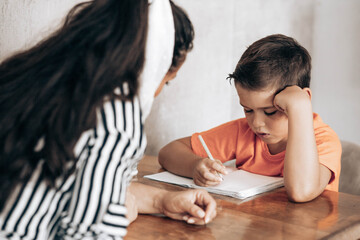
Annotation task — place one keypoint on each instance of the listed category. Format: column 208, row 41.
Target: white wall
column 201, row 97
column 25, row 22
column 336, row 66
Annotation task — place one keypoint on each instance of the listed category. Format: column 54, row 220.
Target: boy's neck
column 277, row 148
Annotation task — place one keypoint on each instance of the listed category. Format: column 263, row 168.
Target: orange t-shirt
column 235, row 140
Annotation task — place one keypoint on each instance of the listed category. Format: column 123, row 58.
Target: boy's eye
column 270, row 113
column 247, row 111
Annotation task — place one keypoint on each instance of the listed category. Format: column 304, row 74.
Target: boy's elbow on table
column 301, row 195
column 299, row 198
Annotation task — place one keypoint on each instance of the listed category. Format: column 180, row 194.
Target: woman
column 72, row 110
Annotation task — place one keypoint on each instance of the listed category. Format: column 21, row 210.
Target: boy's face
column 267, row 122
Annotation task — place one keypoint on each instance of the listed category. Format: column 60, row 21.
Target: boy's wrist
column 299, row 108
column 196, row 162
column 292, row 99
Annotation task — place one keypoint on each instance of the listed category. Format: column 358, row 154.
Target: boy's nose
column 258, row 121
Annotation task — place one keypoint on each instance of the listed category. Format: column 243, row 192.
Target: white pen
column 208, row 153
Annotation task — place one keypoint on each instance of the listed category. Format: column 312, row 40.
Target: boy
column 279, row 136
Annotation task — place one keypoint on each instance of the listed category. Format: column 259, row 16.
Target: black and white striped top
column 89, row 203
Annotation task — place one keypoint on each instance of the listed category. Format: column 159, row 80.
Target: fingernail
column 185, row 218
column 191, row 220
column 201, row 214
column 207, row 219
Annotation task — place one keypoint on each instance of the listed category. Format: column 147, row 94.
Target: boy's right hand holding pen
column 208, row 171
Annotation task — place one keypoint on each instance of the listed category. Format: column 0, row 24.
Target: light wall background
column 201, row 97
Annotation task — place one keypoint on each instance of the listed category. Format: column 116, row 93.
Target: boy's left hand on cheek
column 292, row 96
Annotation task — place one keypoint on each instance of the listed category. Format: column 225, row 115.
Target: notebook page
column 241, row 180
column 237, row 183
column 168, row 177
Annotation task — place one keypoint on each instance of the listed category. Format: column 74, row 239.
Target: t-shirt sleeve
column 221, row 141
column 329, row 150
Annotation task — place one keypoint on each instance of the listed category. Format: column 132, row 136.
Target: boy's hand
column 206, row 172
column 292, row 97
column 193, row 206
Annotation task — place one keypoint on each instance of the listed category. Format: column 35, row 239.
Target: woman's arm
column 97, row 204
column 192, row 206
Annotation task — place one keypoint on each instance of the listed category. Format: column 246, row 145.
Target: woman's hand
column 193, row 206
column 131, row 206
column 207, row 172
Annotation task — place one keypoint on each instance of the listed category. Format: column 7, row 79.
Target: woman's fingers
column 192, row 206
column 205, row 209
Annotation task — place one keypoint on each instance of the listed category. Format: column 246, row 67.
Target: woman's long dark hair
column 52, row 90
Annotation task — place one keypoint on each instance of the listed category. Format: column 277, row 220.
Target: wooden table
column 267, row 216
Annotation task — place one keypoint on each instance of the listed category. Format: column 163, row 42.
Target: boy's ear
column 308, row 91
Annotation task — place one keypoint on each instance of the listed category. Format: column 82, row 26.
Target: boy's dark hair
column 274, row 61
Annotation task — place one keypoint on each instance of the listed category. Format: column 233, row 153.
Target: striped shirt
column 90, row 203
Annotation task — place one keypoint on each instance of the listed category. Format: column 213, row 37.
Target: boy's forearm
column 302, row 168
column 177, row 157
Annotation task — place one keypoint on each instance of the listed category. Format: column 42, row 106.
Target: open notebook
column 237, row 183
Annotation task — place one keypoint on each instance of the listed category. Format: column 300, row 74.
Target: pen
column 208, row 153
